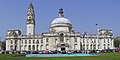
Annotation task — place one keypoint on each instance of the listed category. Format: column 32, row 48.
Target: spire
column 31, row 6
column 31, row 14
column 61, row 13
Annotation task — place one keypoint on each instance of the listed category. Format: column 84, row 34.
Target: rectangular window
column 25, row 41
column 47, row 39
column 75, row 39
column 29, row 41
column 33, row 41
column 108, row 40
column 11, row 42
column 41, row 41
column 104, row 40
column 22, row 41
column 37, row 42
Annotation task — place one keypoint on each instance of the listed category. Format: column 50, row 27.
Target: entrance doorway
column 62, row 49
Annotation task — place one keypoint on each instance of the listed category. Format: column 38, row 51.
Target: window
column 104, row 40
column 104, row 46
column 99, row 41
column 22, row 41
column 94, row 41
column 11, row 42
column 67, row 40
column 29, row 41
column 33, row 41
column 33, row 47
column 83, row 41
column 108, row 40
column 29, row 47
column 87, row 40
column 15, row 41
column 47, row 46
column 25, row 41
column 87, row 46
column 55, row 41
column 61, row 37
column 37, row 42
column 41, row 41
column 11, row 47
column 91, row 41
column 98, row 46
column 47, row 39
column 75, row 39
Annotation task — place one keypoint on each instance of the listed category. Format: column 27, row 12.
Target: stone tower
column 30, row 20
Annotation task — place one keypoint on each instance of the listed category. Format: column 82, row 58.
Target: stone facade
column 61, row 36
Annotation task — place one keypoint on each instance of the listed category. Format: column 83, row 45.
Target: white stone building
column 61, row 36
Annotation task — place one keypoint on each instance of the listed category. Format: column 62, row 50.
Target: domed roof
column 12, row 33
column 61, row 19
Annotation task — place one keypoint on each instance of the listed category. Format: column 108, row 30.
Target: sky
column 83, row 14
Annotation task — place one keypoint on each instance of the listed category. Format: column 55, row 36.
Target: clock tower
column 30, row 20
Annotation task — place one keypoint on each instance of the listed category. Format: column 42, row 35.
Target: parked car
column 46, row 52
column 41, row 52
column 35, row 52
column 118, row 50
column 52, row 52
column 63, row 52
column 69, row 52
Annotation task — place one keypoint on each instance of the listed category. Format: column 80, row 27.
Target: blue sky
column 83, row 14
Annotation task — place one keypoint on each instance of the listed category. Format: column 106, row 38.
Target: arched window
column 87, row 46
column 41, row 47
column 11, row 47
column 83, row 46
column 47, row 46
column 91, row 46
column 76, row 47
column 33, row 47
column 61, row 37
column 94, row 46
column 98, row 46
column 104, row 46
column 37, row 47
column 29, row 47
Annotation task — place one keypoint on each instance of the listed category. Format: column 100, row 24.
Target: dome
column 60, row 20
column 12, row 33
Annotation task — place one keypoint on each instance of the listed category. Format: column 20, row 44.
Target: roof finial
column 61, row 12
column 31, row 5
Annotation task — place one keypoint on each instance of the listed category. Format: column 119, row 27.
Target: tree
column 3, row 45
column 116, row 42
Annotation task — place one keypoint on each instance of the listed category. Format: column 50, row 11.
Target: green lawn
column 105, row 56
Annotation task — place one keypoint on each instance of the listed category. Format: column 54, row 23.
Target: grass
column 105, row 56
